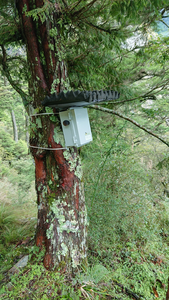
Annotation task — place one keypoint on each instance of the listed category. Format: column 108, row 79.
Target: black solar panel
column 79, row 98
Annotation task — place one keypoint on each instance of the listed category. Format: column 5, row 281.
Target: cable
column 47, row 148
column 43, row 114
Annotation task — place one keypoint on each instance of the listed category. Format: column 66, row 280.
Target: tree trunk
column 15, row 129
column 62, row 218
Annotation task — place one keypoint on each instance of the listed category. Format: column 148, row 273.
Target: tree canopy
column 91, row 59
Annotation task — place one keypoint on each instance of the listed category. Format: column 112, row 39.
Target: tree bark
column 62, row 217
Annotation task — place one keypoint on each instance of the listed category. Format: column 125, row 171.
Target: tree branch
column 75, row 5
column 96, row 12
column 146, row 95
column 102, row 29
column 84, row 8
column 110, row 111
column 23, row 95
column 164, row 23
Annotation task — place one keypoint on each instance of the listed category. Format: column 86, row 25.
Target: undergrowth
column 125, row 176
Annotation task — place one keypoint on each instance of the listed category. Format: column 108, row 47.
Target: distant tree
column 15, row 129
column 12, row 113
column 69, row 45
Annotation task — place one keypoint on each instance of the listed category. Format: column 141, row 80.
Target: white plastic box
column 76, row 126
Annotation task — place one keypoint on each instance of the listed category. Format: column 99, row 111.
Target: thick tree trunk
column 62, row 218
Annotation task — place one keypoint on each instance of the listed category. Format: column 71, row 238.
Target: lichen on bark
column 62, row 217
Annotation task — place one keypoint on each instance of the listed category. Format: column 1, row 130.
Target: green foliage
column 13, row 228
column 97, row 273
column 38, row 283
column 11, row 148
column 10, row 230
column 127, row 210
column 140, row 271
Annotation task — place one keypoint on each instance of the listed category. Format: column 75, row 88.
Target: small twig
column 164, row 23
column 84, row 8
column 102, row 29
column 75, row 5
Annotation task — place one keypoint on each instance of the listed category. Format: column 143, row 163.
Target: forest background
column 126, row 184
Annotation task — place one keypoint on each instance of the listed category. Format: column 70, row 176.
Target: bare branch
column 164, row 23
column 111, row 111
